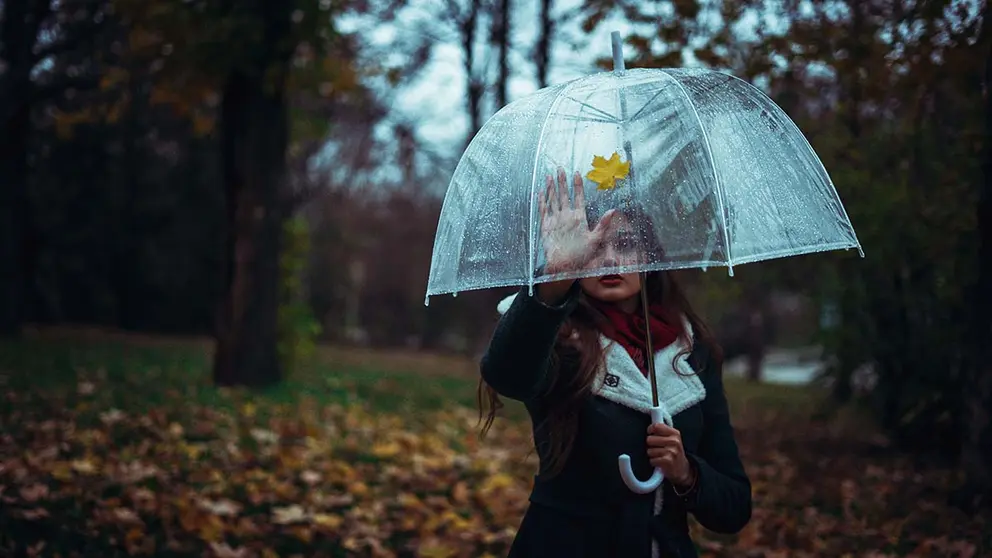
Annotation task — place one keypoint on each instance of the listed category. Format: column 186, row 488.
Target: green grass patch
column 133, row 374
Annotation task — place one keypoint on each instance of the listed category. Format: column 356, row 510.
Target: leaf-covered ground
column 120, row 447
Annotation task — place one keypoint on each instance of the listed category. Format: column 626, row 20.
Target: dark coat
column 586, row 510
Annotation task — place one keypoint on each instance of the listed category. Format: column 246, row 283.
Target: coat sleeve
column 517, row 360
column 721, row 500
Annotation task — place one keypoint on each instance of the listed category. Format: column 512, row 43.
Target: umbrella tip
column 618, row 64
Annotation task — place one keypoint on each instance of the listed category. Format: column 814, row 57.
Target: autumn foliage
column 379, row 456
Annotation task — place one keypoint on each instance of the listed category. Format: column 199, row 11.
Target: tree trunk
column 476, row 84
column 542, row 56
column 255, row 135
column 977, row 450
column 18, row 34
column 501, row 36
column 756, row 343
column 13, row 219
column 755, row 329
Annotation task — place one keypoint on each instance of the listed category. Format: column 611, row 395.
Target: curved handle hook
column 627, row 473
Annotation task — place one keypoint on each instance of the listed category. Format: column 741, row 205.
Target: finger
column 664, row 441
column 655, row 453
column 667, row 458
column 580, row 191
column 661, row 463
column 662, row 429
column 563, row 202
column 549, row 194
column 542, row 199
column 605, row 226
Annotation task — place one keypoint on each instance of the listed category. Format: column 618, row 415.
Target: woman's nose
column 610, row 257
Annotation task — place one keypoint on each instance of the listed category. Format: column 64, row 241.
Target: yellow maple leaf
column 605, row 172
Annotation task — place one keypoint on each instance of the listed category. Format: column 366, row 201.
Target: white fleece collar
column 620, row 381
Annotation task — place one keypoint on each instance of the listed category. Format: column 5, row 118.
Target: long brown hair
column 577, row 357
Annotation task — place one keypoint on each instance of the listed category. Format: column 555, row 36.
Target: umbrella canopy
column 705, row 169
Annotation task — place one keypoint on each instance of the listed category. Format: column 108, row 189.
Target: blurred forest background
column 243, row 170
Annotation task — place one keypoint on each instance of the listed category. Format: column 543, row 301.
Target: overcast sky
column 436, row 100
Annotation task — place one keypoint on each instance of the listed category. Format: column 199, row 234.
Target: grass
column 386, row 381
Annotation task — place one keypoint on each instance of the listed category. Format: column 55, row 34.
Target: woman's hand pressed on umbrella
column 569, row 244
column 666, row 453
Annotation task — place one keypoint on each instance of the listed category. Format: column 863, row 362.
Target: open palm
column 569, row 244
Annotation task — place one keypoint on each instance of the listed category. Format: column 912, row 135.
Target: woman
column 574, row 355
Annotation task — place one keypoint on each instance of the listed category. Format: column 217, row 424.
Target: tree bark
column 255, row 136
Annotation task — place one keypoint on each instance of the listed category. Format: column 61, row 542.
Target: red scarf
column 629, row 332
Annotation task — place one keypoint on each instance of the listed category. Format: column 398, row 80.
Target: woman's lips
column 610, row 280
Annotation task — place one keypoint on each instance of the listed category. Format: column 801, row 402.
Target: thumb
column 605, row 225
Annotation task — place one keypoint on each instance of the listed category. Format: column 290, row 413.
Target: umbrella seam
column 532, row 255
column 716, row 175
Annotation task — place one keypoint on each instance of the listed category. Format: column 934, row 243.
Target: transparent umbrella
column 705, row 169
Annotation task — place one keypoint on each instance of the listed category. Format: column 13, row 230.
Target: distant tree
column 251, row 53
column 889, row 96
column 500, row 39
column 35, row 37
column 977, row 385
column 545, row 38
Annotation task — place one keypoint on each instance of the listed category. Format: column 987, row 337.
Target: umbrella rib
column 716, row 175
column 647, row 104
column 601, row 112
column 587, row 119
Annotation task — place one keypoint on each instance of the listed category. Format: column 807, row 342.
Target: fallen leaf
column 310, row 477
column 84, row 467
column 287, row 515
column 358, row 488
column 223, row 508
column 434, row 549
column 34, row 514
column 327, row 520
column 126, row 516
column 34, row 492
column 223, row 550
column 386, row 449
column 460, row 493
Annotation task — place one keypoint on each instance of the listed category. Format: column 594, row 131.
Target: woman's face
column 618, row 289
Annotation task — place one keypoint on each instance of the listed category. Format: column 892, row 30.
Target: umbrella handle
column 627, row 473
